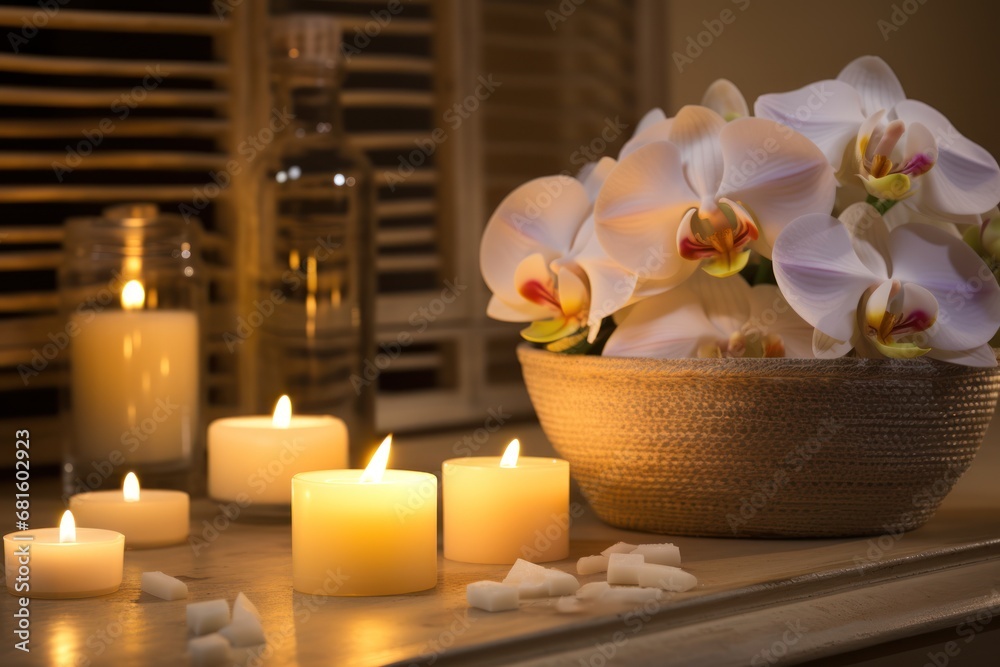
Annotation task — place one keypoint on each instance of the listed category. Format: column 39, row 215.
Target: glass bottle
column 317, row 238
column 131, row 295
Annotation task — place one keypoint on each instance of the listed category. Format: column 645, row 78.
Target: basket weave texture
column 762, row 447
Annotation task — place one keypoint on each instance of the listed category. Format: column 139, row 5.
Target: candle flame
column 282, row 413
column 130, row 488
column 376, row 467
column 67, row 528
column 133, row 295
column 509, row 459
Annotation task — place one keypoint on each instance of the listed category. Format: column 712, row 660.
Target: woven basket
column 762, row 447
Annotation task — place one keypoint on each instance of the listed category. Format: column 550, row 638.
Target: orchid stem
column 880, row 205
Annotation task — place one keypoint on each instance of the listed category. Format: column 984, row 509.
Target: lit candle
column 255, row 457
column 499, row 509
column 63, row 562
column 364, row 532
column 134, row 383
column 147, row 517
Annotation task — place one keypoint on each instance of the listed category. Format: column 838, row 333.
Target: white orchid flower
column 875, row 137
column 707, row 192
column 903, row 293
column 707, row 317
column 540, row 258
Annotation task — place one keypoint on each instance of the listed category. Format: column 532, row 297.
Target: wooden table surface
column 759, row 602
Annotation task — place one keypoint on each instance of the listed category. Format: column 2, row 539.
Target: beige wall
column 946, row 53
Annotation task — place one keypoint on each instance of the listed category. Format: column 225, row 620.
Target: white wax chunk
column 569, row 605
column 209, row 650
column 624, row 568
column 666, row 577
column 593, row 590
column 491, row 596
column 560, row 583
column 661, row 554
column 245, row 628
column 163, row 586
column 631, row 594
column 208, row 616
column 619, row 548
column 592, row 565
column 242, row 607
column 524, row 572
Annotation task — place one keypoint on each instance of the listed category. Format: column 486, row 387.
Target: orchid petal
column 920, row 149
column 906, row 212
column 596, row 175
column 869, row 238
column 770, row 314
column 547, row 331
column 521, row 311
column 573, row 294
column 725, row 99
column 867, row 133
column 820, row 274
column 965, row 178
column 792, row 178
column 535, row 282
column 900, row 350
column 670, row 325
column 695, row 131
column 875, row 82
column 654, row 126
column 891, row 187
column 726, row 302
column 611, row 284
column 828, row 113
column 980, row 357
column 966, row 291
column 541, row 216
column 827, row 347
column 989, row 236
column 723, row 266
column 639, row 210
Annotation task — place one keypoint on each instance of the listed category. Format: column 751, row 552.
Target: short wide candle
column 64, row 562
column 148, row 517
column 497, row 513
column 364, row 532
column 255, row 458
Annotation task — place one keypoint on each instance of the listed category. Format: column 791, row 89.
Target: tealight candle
column 364, row 532
column 499, row 509
column 63, row 562
column 147, row 517
column 256, row 457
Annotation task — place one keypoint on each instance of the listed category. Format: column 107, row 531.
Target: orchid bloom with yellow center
column 867, row 128
column 542, row 262
column 703, row 192
column 707, row 317
column 915, row 290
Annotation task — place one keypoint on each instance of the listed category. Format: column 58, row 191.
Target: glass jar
column 131, row 294
column 317, row 238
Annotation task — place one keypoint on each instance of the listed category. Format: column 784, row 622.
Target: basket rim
column 883, row 369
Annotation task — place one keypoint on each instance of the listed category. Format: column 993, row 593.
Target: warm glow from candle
column 133, row 295
column 130, row 488
column 282, row 413
column 509, row 459
column 67, row 528
column 376, row 467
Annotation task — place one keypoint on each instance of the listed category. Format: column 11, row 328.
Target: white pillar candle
column 134, row 383
column 499, row 509
column 256, row 457
column 63, row 562
column 147, row 518
column 364, row 532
